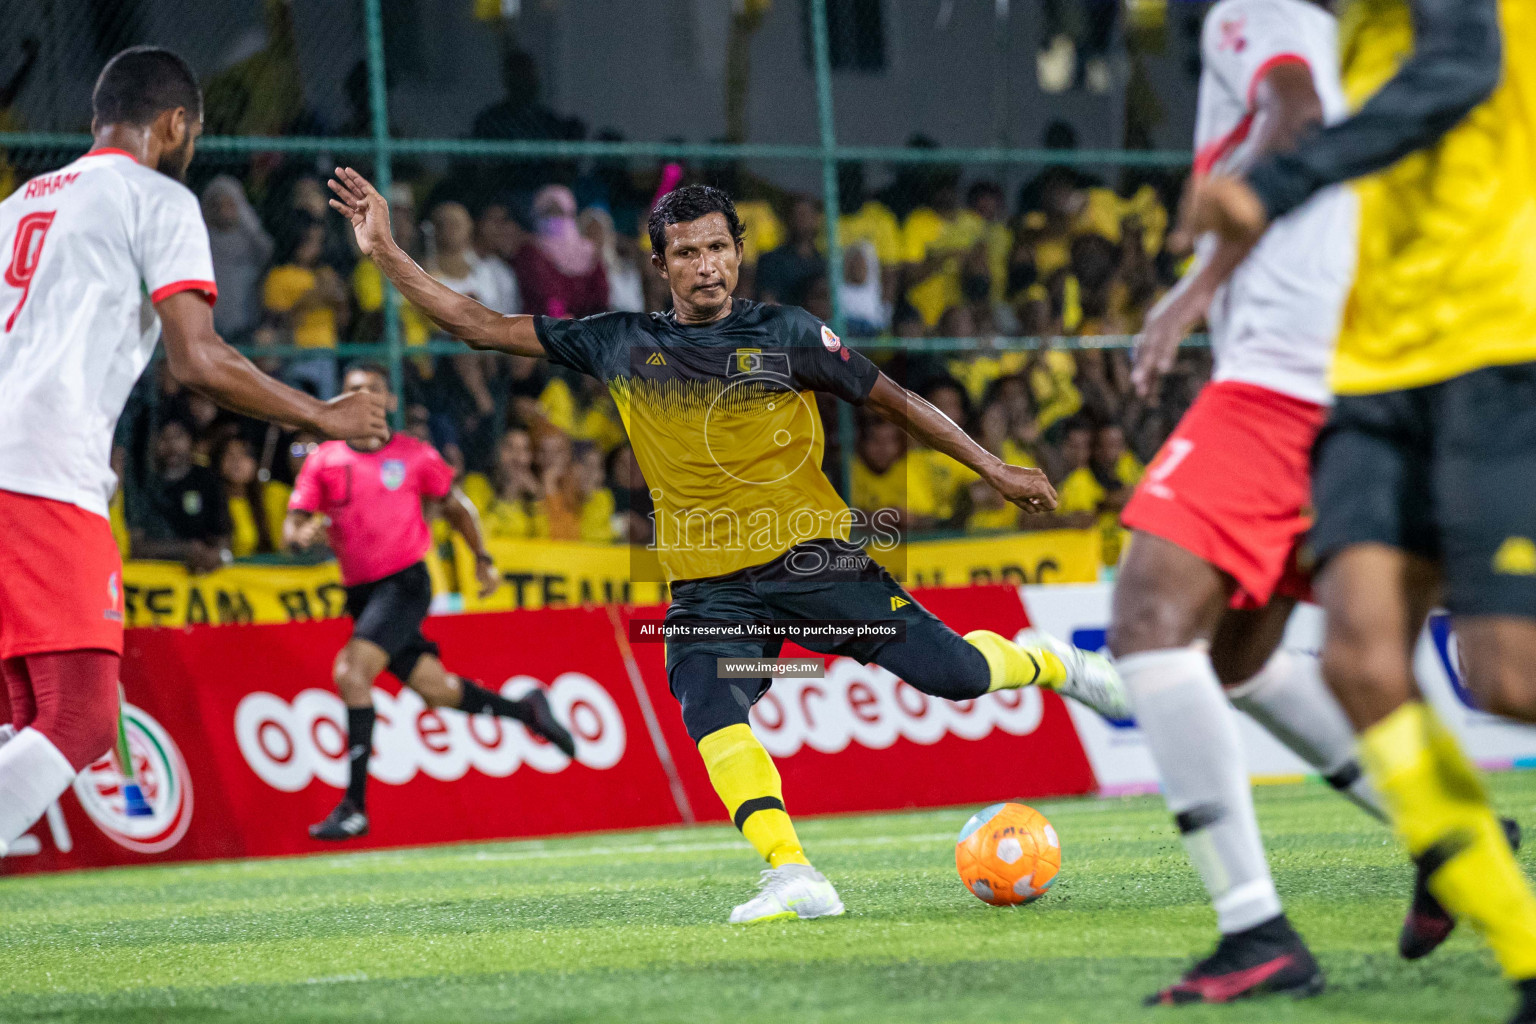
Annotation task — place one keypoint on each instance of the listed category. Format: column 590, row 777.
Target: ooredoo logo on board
column 290, row 743
column 868, row 706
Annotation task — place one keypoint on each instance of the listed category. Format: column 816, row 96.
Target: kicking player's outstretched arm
column 476, row 325
column 1285, row 106
column 1026, row 487
column 201, row 360
column 1456, row 63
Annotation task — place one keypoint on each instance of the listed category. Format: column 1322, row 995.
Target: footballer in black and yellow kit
column 718, row 399
column 1425, row 476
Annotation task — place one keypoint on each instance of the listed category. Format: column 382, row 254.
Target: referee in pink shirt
column 373, row 502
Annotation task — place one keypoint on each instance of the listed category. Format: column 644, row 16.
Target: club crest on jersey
column 392, row 474
column 831, row 341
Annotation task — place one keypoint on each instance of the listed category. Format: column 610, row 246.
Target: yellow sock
column 1438, row 805
column 744, row 776
column 1013, row 666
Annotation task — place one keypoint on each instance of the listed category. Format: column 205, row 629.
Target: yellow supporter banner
column 542, row 573
column 1050, row 556
column 166, row 594
column 555, row 573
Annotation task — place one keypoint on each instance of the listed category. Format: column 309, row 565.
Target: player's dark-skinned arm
column 1025, row 487
column 201, row 360
column 1456, row 64
column 469, row 321
column 1286, row 106
column 465, row 521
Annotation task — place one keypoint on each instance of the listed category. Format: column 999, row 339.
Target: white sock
column 33, row 774
column 1289, row 698
column 1192, row 734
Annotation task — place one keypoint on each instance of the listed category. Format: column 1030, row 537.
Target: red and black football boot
column 1428, row 924
column 1267, row 959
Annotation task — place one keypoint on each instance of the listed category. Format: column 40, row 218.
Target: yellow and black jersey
column 724, row 424
column 1443, row 149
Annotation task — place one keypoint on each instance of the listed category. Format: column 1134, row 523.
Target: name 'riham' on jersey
column 83, row 249
column 1275, row 321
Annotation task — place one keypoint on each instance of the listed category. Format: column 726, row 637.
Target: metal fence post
column 378, row 102
column 832, row 209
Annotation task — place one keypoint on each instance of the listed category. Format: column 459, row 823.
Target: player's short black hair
column 688, row 203
column 379, row 370
column 140, row 82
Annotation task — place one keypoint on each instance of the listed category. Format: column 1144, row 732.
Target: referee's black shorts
column 1447, row 472
column 389, row 612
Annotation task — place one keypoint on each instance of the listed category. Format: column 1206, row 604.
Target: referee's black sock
column 477, row 699
column 359, row 747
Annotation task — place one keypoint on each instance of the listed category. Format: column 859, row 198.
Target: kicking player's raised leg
column 1167, row 605
column 72, row 700
column 440, row 688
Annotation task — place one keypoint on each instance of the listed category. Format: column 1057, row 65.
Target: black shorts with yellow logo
column 1446, row 471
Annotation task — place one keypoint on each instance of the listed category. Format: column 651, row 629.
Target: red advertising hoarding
column 238, row 738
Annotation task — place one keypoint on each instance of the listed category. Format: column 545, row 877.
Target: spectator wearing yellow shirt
column 512, row 504
column 885, row 482
column 1118, row 472
column 1080, row 496
column 582, row 413
column 935, row 236
column 577, row 504
column 989, row 512
column 986, row 200
column 948, row 479
column 249, row 531
column 308, row 301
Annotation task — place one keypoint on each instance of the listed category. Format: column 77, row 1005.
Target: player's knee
column 1502, row 686
column 352, row 683
column 1356, row 659
column 1146, row 620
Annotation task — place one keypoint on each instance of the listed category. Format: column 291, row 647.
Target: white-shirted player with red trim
column 1210, row 577
column 100, row 258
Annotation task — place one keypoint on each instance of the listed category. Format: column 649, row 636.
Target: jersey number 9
column 26, row 251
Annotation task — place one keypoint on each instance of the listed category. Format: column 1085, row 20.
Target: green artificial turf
column 631, row 927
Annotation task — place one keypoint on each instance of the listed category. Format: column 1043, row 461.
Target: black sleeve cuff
column 1282, row 183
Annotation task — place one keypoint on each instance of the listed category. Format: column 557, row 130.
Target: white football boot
column 1092, row 679
column 794, row 890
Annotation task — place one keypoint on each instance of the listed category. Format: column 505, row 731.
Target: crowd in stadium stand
column 541, row 452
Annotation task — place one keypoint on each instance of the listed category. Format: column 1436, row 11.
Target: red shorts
column 61, row 579
column 1232, row 485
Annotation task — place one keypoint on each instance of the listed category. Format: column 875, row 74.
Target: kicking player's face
column 701, row 266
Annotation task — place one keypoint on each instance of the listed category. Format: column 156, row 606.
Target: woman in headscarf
column 241, row 249
column 561, row 273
